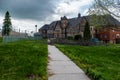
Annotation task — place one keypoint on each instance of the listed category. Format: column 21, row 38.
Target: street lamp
column 36, row 27
column 19, row 31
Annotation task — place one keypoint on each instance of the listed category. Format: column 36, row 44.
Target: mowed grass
column 0, row 39
column 23, row 60
column 99, row 62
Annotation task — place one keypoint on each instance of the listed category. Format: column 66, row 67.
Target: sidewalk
column 60, row 67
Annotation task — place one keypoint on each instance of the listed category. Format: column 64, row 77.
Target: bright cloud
column 28, row 25
column 65, row 8
column 1, row 22
column 72, row 6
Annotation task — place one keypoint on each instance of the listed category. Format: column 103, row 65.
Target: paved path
column 60, row 67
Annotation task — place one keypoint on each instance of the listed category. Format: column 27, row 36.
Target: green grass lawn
column 23, row 60
column 99, row 62
column 0, row 39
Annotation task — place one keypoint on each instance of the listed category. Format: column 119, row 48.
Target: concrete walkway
column 60, row 67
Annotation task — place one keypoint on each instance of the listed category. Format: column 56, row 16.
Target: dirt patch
column 50, row 73
column 33, row 77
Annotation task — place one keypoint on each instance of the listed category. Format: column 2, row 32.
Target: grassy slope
column 23, row 60
column 98, row 61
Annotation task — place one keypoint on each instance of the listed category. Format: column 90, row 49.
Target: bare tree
column 102, row 11
column 106, row 7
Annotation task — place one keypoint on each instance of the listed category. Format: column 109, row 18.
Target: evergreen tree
column 7, row 25
column 87, row 34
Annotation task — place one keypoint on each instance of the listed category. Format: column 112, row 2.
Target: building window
column 67, row 30
column 64, row 25
column 113, row 36
column 117, row 35
column 105, row 36
column 100, row 36
column 78, row 31
column 57, row 30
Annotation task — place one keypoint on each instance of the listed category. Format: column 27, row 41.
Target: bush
column 77, row 37
column 70, row 38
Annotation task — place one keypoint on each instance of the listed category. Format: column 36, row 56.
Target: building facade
column 65, row 27
column 109, row 35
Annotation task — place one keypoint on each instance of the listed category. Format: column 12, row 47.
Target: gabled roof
column 65, row 18
column 73, row 22
column 108, row 19
column 46, row 26
column 59, row 23
column 113, row 21
column 52, row 25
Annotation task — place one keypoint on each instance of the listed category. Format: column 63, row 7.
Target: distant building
column 37, row 36
column 14, row 33
column 109, row 35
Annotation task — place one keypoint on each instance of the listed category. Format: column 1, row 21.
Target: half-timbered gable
column 58, row 30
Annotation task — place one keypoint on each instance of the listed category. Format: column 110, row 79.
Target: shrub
column 77, row 37
column 70, row 38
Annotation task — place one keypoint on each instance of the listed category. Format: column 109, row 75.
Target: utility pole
column 19, row 31
column 25, row 33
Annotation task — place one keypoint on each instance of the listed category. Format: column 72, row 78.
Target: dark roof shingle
column 73, row 22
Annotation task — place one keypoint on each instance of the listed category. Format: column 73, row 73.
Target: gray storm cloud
column 25, row 14
column 28, row 9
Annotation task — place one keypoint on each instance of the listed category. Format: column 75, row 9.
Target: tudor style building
column 65, row 27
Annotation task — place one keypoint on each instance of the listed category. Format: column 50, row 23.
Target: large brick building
column 109, row 35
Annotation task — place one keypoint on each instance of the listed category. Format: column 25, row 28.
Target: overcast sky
column 25, row 14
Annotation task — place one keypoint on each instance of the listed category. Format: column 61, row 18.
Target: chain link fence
column 7, row 39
